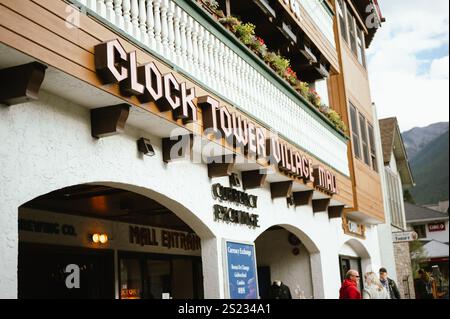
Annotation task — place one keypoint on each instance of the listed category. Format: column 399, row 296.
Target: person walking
column 389, row 284
column 424, row 286
column 349, row 288
column 373, row 287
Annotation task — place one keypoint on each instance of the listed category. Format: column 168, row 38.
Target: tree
column 418, row 256
column 408, row 197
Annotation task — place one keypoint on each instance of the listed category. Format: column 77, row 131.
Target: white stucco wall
column 274, row 250
column 387, row 254
column 47, row 145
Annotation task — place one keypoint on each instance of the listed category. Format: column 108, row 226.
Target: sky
column 409, row 62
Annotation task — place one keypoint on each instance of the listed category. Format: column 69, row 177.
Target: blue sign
column 242, row 281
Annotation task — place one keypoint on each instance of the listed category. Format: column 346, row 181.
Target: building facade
column 164, row 149
column 432, row 231
column 397, row 176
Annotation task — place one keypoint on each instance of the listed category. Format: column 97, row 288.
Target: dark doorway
column 346, row 263
column 264, row 282
column 41, row 271
column 153, row 276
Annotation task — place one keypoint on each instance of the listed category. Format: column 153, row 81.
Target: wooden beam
column 335, row 211
column 281, row 189
column 220, row 166
column 253, row 179
column 21, row 83
column 109, row 120
column 320, row 205
column 177, row 148
column 302, row 198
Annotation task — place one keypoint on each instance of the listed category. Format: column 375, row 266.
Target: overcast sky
column 409, row 62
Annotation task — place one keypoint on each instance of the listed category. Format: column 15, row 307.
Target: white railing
column 168, row 30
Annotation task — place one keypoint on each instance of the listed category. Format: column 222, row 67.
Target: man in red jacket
column 349, row 289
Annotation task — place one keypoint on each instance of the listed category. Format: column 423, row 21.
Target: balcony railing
column 203, row 51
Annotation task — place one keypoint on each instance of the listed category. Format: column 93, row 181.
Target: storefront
column 150, row 183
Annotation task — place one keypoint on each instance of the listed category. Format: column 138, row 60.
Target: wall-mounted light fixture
column 145, row 147
column 99, row 238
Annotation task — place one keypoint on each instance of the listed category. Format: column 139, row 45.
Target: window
column 395, row 199
column 361, row 48
column 373, row 151
column 365, row 142
column 421, row 231
column 342, row 22
column 352, row 32
column 321, row 88
column 355, row 131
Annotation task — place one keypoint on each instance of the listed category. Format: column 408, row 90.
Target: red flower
column 291, row 73
column 261, row 41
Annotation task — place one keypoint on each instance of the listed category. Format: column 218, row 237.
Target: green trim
column 272, row 75
column 205, row 19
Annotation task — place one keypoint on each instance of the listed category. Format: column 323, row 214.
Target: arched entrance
column 284, row 259
column 353, row 255
column 106, row 240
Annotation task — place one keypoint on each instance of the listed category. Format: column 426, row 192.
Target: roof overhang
column 428, row 220
column 401, row 157
column 363, row 8
column 363, row 218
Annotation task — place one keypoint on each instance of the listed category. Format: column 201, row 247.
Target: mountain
column 419, row 137
column 430, row 169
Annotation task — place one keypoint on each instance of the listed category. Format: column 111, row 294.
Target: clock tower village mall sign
column 114, row 65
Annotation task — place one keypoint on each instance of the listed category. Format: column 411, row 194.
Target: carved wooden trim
column 335, row 211
column 220, row 166
column 109, row 120
column 281, row 189
column 303, row 198
column 21, row 83
column 320, row 205
column 183, row 148
column 253, row 179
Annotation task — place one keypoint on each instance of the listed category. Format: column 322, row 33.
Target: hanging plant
column 335, row 118
column 246, row 33
column 230, row 22
column 314, row 98
column 302, row 88
column 213, row 7
column 280, row 64
column 291, row 76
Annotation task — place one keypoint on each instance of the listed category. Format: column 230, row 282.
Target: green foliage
column 213, row 4
column 431, row 172
column 418, row 256
column 408, row 197
column 314, row 98
column 246, row 33
column 280, row 64
column 302, row 88
column 335, row 118
column 230, row 21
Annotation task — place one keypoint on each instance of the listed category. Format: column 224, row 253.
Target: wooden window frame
column 373, row 151
column 364, row 139
column 356, row 135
